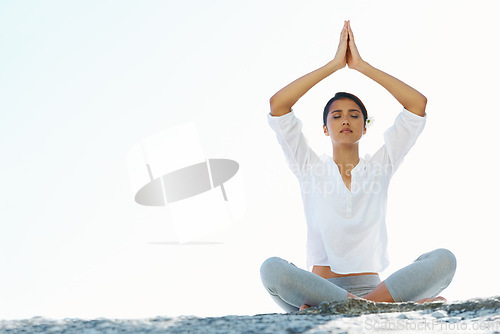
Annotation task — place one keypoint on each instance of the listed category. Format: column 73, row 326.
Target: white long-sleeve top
column 346, row 230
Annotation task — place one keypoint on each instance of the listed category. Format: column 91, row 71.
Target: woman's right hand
column 283, row 101
column 340, row 58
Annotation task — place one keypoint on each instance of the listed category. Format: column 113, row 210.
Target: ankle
column 350, row 295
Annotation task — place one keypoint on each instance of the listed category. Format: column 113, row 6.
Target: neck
column 346, row 156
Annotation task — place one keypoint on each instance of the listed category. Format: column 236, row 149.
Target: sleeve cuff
column 409, row 114
column 287, row 115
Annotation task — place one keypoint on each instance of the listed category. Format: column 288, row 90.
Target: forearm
column 284, row 99
column 410, row 98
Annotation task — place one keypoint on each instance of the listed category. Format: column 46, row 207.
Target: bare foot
column 303, row 307
column 430, row 300
column 350, row 295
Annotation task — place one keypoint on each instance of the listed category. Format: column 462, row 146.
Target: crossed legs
column 292, row 287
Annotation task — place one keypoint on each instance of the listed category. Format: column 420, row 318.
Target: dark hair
column 340, row 96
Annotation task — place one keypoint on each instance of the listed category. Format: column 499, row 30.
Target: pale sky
column 83, row 82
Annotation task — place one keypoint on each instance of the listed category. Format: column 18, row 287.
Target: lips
column 346, row 130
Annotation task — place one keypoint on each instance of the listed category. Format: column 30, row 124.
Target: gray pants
column 291, row 287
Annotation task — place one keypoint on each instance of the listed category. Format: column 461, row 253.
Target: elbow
column 420, row 101
column 272, row 101
column 424, row 101
column 272, row 105
column 423, row 105
column 418, row 106
column 278, row 108
column 275, row 102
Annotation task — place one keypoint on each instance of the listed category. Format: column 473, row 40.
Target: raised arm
column 283, row 100
column 409, row 97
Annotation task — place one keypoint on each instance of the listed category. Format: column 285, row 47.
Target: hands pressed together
column 347, row 52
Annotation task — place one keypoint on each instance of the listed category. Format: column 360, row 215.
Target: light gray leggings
column 291, row 287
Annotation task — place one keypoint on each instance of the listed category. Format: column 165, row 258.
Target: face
column 345, row 123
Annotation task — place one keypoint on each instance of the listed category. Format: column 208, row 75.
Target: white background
column 81, row 82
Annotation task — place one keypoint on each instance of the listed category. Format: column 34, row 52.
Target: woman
column 345, row 197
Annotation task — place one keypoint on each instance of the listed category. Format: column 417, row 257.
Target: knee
column 270, row 264
column 447, row 260
column 270, row 268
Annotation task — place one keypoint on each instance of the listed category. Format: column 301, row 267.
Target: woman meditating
column 345, row 197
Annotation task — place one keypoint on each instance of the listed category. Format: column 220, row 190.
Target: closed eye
column 353, row 116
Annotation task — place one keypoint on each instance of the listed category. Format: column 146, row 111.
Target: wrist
column 334, row 66
column 362, row 67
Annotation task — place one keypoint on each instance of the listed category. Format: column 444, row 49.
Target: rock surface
column 353, row 316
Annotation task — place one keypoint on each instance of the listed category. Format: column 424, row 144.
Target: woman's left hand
column 353, row 57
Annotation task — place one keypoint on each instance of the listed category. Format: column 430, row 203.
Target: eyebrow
column 334, row 111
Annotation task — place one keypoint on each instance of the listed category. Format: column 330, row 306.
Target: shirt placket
column 349, row 205
column 349, row 199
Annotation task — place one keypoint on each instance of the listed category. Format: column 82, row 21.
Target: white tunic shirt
column 346, row 229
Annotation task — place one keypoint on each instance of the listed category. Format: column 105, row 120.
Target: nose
column 345, row 121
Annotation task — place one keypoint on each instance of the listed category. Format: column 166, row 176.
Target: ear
column 325, row 130
column 364, row 131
